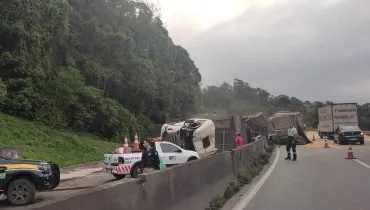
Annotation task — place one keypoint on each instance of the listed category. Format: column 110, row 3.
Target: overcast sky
column 311, row 49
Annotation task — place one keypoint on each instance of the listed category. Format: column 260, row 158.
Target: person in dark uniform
column 292, row 134
column 150, row 158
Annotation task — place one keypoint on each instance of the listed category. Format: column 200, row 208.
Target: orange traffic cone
column 126, row 149
column 136, row 144
column 350, row 153
column 326, row 144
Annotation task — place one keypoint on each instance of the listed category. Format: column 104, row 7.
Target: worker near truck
column 238, row 140
column 292, row 134
column 150, row 158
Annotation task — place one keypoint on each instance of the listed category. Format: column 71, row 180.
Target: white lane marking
column 253, row 191
column 362, row 163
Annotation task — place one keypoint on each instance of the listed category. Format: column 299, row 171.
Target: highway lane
column 66, row 190
column 321, row 179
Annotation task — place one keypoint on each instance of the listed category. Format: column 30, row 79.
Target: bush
column 244, row 177
column 217, row 203
column 231, row 190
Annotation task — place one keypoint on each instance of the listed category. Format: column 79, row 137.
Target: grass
column 243, row 178
column 40, row 142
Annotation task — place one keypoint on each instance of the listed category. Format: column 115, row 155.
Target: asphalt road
column 321, row 179
column 66, row 189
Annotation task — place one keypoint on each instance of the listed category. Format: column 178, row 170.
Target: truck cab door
column 172, row 154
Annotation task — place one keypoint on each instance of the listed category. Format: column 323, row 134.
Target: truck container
column 334, row 115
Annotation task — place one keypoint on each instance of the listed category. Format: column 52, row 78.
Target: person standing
column 292, row 134
column 150, row 158
column 238, row 140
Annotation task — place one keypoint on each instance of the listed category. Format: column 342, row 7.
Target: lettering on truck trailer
column 345, row 110
column 325, row 117
column 341, row 117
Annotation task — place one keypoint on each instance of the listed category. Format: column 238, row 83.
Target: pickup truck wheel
column 119, row 176
column 135, row 171
column 192, row 158
column 21, row 192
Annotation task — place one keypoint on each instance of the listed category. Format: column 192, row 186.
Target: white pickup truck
column 121, row 165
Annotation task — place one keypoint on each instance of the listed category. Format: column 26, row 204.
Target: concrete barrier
column 243, row 156
column 188, row 186
column 9, row 152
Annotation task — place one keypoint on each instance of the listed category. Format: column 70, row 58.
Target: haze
column 311, row 49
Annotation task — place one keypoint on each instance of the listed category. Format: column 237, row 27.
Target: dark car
column 20, row 179
column 348, row 134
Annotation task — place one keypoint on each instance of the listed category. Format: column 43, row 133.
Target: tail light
column 121, row 160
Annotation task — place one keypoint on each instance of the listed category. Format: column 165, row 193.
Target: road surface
column 66, row 189
column 321, row 179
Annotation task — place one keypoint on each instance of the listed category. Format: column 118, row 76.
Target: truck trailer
column 335, row 115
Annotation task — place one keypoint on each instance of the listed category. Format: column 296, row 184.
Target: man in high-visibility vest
column 292, row 134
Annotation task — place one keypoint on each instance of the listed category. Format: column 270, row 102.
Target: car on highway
column 121, row 165
column 20, row 179
column 348, row 134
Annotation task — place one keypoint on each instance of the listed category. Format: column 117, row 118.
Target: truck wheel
column 192, row 158
column 21, row 192
column 135, row 171
column 119, row 176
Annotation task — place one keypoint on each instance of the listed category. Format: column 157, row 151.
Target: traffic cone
column 326, row 144
column 136, row 144
column 350, row 153
column 126, row 149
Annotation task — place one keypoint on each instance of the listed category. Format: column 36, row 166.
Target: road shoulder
column 246, row 189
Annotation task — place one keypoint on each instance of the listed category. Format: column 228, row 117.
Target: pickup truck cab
column 20, row 179
column 121, row 165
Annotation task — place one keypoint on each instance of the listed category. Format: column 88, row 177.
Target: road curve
column 321, row 179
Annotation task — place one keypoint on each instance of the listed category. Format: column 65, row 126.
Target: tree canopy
column 105, row 67
column 242, row 99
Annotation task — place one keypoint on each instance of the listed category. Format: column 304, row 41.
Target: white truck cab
column 121, row 165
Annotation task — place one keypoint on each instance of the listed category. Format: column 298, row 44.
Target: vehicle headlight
column 46, row 168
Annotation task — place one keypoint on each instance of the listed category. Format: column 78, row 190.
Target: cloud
column 311, row 49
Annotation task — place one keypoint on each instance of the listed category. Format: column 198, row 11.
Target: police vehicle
column 121, row 165
column 20, row 179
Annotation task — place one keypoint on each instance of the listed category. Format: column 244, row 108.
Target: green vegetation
column 40, row 142
column 104, row 67
column 243, row 178
column 242, row 99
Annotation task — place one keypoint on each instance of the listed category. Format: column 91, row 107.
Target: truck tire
column 119, row 176
column 21, row 192
column 135, row 171
column 192, row 158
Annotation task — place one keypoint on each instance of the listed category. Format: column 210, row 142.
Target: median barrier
column 188, row 186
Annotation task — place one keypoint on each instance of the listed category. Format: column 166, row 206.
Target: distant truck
column 335, row 115
column 120, row 165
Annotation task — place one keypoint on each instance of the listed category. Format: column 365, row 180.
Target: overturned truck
column 192, row 134
column 281, row 121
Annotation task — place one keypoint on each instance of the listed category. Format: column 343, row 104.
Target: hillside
column 104, row 67
column 43, row 143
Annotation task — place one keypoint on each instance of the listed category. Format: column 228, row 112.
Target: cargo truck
column 335, row 115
